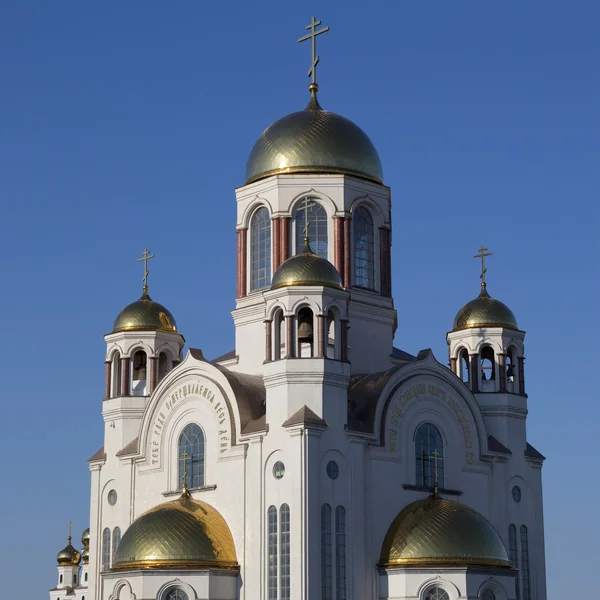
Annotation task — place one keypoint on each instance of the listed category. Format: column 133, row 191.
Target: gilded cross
column 482, row 254
column 436, row 456
column 312, row 36
column 305, row 205
column 69, row 525
column 146, row 256
column 185, row 457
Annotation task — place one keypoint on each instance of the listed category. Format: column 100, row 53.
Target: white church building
column 315, row 461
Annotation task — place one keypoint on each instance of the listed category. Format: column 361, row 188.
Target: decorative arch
column 450, row 588
column 374, row 208
column 122, row 591
column 494, row 586
column 176, row 584
column 251, row 209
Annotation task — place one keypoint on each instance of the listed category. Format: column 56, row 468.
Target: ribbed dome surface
column 442, row 532
column 68, row 555
column 314, row 141
column 184, row 533
column 484, row 311
column 145, row 315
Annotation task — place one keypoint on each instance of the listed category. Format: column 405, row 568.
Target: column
column 242, row 253
column 347, row 274
column 125, row 376
column 276, row 228
column 338, row 244
column 521, row 361
column 289, row 336
column 502, row 372
column 284, row 236
column 385, row 267
column 474, row 365
column 152, row 373
column 268, row 340
column 454, row 365
column 107, row 379
column 321, row 339
column 344, row 340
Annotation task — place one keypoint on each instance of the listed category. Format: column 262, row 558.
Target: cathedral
column 315, row 460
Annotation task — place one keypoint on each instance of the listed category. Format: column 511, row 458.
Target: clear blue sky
column 128, row 124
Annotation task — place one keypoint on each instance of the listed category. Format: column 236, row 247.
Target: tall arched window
column 272, row 551
column 513, row 555
column 340, row 553
column 464, row 370
column 429, row 455
column 525, row 564
column 116, row 538
column 106, row 549
column 260, row 250
column 116, row 375
column 191, row 443
column 488, row 364
column 317, row 228
column 284, row 552
column 364, row 249
column 326, row 555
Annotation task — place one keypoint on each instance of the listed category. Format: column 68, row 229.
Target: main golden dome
column 145, row 315
column 314, row 140
column 68, row 555
column 484, row 311
column 181, row 534
column 306, row 268
column 439, row 532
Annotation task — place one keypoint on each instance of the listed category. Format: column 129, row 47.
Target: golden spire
column 146, row 256
column 483, row 252
column 184, row 488
column 312, row 72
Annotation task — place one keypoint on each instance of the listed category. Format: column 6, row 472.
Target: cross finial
column 69, row 525
column 146, row 256
column 305, row 205
column 312, row 36
column 185, row 457
column 436, row 478
column 483, row 252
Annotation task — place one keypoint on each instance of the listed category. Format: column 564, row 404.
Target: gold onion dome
column 484, row 311
column 314, row 140
column 181, row 534
column 85, row 556
column 145, row 315
column 306, row 268
column 68, row 555
column 85, row 538
column 439, row 532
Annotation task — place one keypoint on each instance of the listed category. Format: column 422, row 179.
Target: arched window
column 191, row 443
column 525, row 564
column 437, row 594
column 464, row 371
column 272, row 552
column 278, row 335
column 138, row 373
column 305, row 335
column 74, row 579
column 488, row 364
column 284, row 552
column 116, row 375
column 364, row 249
column 163, row 365
column 317, row 228
column 429, row 455
column 260, row 250
column 116, row 538
column 106, row 549
column 513, row 556
column 60, row 579
column 330, row 333
column 176, row 594
column 340, row 553
column 326, row 554
column 86, row 576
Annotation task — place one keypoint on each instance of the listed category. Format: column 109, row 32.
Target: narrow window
column 326, row 558
column 74, row 579
column 429, row 456
column 163, row 365
column 116, row 375
column 138, row 373
column 106, row 549
column 191, row 443
column 511, row 371
column 465, row 372
column 330, row 346
column 364, row 249
column 260, row 250
column 272, row 549
column 284, row 552
column 513, row 554
column 525, row 564
column 86, row 575
column 488, row 365
column 60, row 579
column 116, row 538
column 305, row 333
column 340, row 553
column 317, row 228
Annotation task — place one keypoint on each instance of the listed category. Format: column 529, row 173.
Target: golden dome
column 68, row 555
column 314, row 140
column 145, row 315
column 306, row 268
column 181, row 534
column 85, row 556
column 85, row 538
column 439, row 532
column 484, row 311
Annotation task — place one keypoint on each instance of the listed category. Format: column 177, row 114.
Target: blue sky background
column 128, row 124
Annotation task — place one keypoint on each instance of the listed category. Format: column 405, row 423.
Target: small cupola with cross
column 485, row 344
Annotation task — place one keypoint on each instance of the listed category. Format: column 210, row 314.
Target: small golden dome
column 306, row 268
column 314, row 140
column 85, row 538
column 439, row 532
column 68, row 555
column 145, row 315
column 181, row 534
column 484, row 311
column 85, row 556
